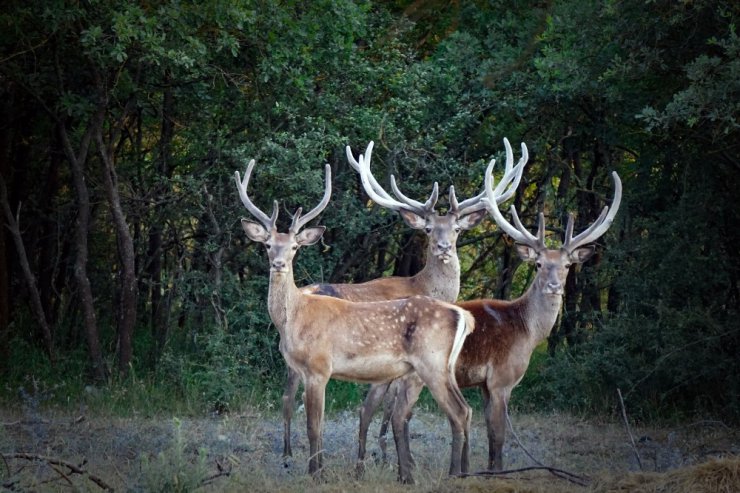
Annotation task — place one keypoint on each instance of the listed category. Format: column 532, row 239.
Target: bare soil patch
column 242, row 452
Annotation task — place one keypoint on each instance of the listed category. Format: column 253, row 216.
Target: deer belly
column 470, row 376
column 368, row 369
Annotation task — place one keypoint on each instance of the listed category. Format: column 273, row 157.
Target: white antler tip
column 491, row 164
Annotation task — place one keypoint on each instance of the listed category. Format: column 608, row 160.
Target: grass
column 240, row 451
column 203, row 427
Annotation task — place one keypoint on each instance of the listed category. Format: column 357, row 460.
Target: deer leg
column 450, row 399
column 369, row 405
column 465, row 462
column 416, row 380
column 488, row 413
column 408, row 391
column 496, row 424
column 291, row 387
column 389, row 405
column 315, row 390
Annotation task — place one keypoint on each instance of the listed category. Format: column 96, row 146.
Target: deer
column 496, row 356
column 440, row 276
column 323, row 337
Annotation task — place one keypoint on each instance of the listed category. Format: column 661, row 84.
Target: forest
column 125, row 273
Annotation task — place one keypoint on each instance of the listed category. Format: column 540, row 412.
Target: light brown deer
column 496, row 356
column 368, row 342
column 440, row 277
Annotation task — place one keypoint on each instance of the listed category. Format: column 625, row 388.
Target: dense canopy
column 122, row 124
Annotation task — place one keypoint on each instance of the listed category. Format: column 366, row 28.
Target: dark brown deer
column 440, row 277
column 366, row 342
column 496, row 356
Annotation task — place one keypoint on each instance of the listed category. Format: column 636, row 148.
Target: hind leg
column 408, row 394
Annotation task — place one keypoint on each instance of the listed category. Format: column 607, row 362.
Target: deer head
column 281, row 247
column 552, row 264
column 442, row 230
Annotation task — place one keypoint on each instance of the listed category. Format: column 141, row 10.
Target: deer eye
column 457, row 228
column 538, row 265
column 294, row 247
column 268, row 246
column 567, row 266
column 428, row 230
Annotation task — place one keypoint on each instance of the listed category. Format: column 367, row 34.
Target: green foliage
column 196, row 89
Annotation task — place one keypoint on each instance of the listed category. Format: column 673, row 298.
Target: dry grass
column 241, row 452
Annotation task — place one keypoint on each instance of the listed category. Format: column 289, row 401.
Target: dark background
column 123, row 266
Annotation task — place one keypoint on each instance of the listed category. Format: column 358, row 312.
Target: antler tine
column 414, row 205
column 241, row 185
column 506, row 187
column 512, row 174
column 298, row 221
column 454, row 206
column 602, row 223
column 376, row 192
column 519, row 233
column 368, row 154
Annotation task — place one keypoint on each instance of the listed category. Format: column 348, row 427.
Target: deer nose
column 278, row 264
column 554, row 286
column 444, row 245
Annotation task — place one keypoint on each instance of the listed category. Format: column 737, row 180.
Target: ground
column 241, row 451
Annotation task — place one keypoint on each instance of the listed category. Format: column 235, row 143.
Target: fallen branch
column 560, row 473
column 222, row 471
column 568, row 476
column 27, row 422
column 627, row 427
column 74, row 469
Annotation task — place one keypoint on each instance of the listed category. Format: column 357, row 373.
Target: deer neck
column 440, row 280
column 282, row 295
column 540, row 311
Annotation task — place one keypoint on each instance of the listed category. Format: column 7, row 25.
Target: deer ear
column 412, row 219
column 309, row 236
column 525, row 252
column 472, row 220
column 581, row 254
column 255, row 232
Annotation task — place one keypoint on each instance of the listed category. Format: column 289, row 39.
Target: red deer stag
column 368, row 342
column 496, row 356
column 440, row 277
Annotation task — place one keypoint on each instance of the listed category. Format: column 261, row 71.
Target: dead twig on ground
column 27, row 422
column 560, row 473
column 52, row 461
column 568, row 476
column 629, row 431
column 222, row 471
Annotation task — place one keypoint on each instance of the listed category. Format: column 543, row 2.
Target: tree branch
column 74, row 469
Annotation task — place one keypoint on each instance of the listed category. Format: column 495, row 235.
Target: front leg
column 315, row 387
column 495, row 411
column 291, row 387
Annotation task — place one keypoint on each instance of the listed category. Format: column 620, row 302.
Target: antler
column 599, row 227
column 518, row 232
column 298, row 221
column 380, row 196
column 267, row 222
column 503, row 191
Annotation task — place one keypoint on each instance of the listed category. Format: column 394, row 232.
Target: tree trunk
column 216, row 260
column 159, row 318
column 83, row 221
column 33, row 291
column 5, row 139
column 410, row 261
column 128, row 291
